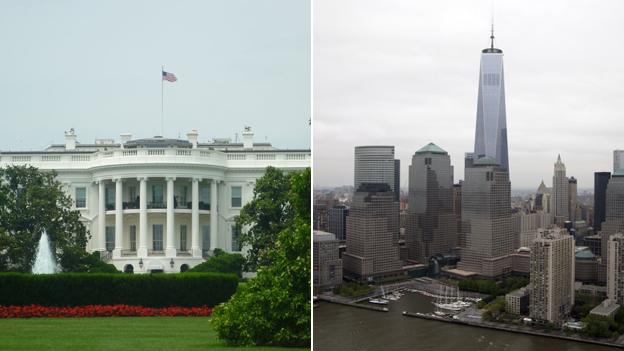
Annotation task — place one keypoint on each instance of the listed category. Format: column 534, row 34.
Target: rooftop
column 323, row 236
column 486, row 161
column 431, row 148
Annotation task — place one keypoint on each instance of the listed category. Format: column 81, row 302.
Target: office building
column 572, row 199
column 601, row 179
column 337, row 221
column 614, row 211
column 486, row 218
column 491, row 128
column 373, row 234
column 560, row 193
column 618, row 161
column 431, row 223
column 376, row 164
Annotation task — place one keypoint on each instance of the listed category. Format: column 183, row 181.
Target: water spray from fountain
column 44, row 260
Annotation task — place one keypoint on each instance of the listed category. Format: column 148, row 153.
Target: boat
column 378, row 301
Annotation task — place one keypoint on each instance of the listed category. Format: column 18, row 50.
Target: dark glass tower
column 491, row 129
column 601, row 179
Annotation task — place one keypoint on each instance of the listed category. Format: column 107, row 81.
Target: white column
column 170, row 250
column 214, row 227
column 195, row 247
column 142, row 249
column 101, row 215
column 118, row 218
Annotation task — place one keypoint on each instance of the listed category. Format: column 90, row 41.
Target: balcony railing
column 132, row 205
column 157, row 205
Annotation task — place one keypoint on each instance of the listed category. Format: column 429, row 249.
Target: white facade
column 148, row 203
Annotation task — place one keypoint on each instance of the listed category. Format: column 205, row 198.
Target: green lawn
column 115, row 333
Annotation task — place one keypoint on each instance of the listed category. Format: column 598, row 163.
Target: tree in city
column 274, row 307
column 265, row 216
column 33, row 201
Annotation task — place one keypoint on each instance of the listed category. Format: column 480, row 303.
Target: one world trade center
column 491, row 131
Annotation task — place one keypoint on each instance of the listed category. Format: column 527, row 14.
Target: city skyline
column 423, row 60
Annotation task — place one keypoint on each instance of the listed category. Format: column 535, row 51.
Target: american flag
column 170, row 77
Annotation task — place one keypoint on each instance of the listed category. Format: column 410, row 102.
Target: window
column 157, row 193
column 236, row 238
column 109, row 198
column 183, row 237
column 132, row 195
column 110, row 238
column 183, row 192
column 157, row 237
column 427, row 160
column 206, row 237
column 236, row 196
column 81, row 197
column 133, row 238
column 204, row 194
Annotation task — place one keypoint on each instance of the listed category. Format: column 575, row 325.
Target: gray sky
column 95, row 66
column 405, row 73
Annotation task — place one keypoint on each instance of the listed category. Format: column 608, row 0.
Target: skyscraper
column 560, row 192
column 376, row 164
column 601, row 179
column 614, row 211
column 618, row 160
column 486, row 218
column 552, row 276
column 615, row 269
column 431, row 223
column 491, row 129
column 572, row 199
column 373, row 234
column 337, row 221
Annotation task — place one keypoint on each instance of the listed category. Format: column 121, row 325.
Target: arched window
column 184, row 267
column 129, row 269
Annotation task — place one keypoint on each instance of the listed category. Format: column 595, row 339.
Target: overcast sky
column 95, row 66
column 405, row 73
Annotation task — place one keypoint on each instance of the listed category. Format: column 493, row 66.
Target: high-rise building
column 431, row 223
column 601, row 179
column 373, row 234
column 486, row 219
column 572, row 199
column 618, row 160
column 615, row 269
column 614, row 211
column 327, row 265
column 560, row 193
column 376, row 164
column 491, row 129
column 337, row 221
column 552, row 276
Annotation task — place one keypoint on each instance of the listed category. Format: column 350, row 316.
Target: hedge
column 148, row 290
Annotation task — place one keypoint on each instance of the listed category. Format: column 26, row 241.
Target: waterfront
column 338, row 327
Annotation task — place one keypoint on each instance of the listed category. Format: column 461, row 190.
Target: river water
column 341, row 328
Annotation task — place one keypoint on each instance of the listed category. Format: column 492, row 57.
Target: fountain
column 44, row 260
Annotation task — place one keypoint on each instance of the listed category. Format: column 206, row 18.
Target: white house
column 150, row 203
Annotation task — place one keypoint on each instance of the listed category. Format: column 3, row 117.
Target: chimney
column 125, row 137
column 192, row 137
column 248, row 138
column 70, row 139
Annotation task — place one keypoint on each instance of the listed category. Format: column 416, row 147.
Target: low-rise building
column 607, row 308
column 517, row 301
column 327, row 266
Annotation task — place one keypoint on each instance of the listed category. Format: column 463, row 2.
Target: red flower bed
column 101, row 311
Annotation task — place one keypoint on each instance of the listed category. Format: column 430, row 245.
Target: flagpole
column 162, row 102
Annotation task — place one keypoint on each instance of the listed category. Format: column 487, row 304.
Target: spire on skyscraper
column 492, row 34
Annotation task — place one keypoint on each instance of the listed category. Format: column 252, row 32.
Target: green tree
column 599, row 326
column 222, row 262
column 265, row 216
column 274, row 307
column 32, row 201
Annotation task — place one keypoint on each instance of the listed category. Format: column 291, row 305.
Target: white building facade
column 160, row 204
